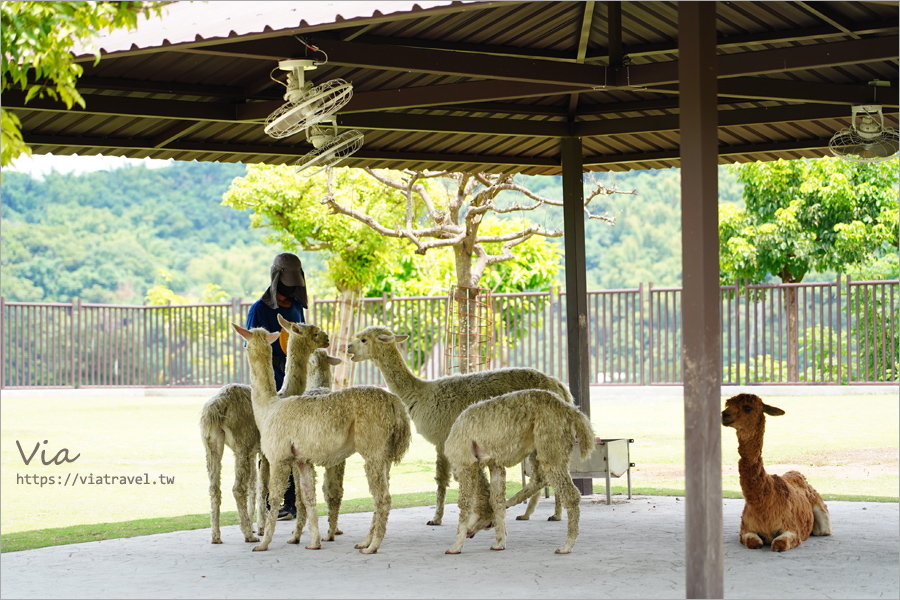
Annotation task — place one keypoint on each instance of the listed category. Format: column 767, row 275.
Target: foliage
column 102, row 236
column 808, row 215
column 38, row 43
column 290, row 208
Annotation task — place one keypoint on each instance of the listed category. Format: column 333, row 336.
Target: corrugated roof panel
column 187, row 22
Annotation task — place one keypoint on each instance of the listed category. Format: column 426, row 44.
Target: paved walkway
column 631, row 549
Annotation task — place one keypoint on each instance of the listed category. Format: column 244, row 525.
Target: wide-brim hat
column 286, row 276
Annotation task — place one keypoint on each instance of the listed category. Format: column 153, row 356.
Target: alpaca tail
column 563, row 391
column 401, row 432
column 211, row 419
column 583, row 431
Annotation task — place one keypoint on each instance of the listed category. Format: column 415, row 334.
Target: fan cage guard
column 849, row 145
column 329, row 155
column 316, row 104
column 468, row 344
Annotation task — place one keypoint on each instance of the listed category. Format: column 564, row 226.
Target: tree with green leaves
column 448, row 210
column 806, row 216
column 361, row 259
column 38, row 43
column 290, row 208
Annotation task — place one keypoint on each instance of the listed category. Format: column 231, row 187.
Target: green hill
column 108, row 236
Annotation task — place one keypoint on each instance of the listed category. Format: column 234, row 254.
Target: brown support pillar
column 576, row 284
column 700, row 300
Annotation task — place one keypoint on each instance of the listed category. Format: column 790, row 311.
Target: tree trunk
column 347, row 307
column 793, row 334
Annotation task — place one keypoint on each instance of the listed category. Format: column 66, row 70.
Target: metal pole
column 700, row 309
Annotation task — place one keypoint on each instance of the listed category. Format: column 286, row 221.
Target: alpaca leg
column 751, row 539
column 305, row 480
column 557, row 510
column 785, row 541
column 571, row 499
column 378, row 475
column 214, row 470
column 821, row 519
column 300, row 521
column 300, row 507
column 262, row 495
column 498, row 504
column 334, row 493
column 466, row 502
column 484, row 511
column 531, row 491
column 252, row 485
column 442, row 476
column 243, row 493
column 279, row 474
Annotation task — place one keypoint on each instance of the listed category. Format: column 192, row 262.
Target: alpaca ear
column 773, row 411
column 333, row 360
column 400, row 338
column 285, row 324
column 271, row 337
column 387, row 338
column 244, row 333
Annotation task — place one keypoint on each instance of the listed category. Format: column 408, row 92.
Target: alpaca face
column 746, row 412
column 364, row 344
column 304, row 338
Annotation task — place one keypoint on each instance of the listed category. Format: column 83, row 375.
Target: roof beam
column 612, row 126
column 765, row 37
column 461, row 125
column 764, row 88
column 548, row 71
column 454, row 93
column 131, row 107
column 779, row 60
column 438, row 62
column 825, row 13
column 241, row 152
column 583, row 38
column 640, row 157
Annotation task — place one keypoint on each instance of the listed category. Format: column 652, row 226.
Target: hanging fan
column 306, row 104
column 329, row 147
column 867, row 139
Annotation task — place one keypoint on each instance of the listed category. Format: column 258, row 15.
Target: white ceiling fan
column 329, row 148
column 867, row 139
column 306, row 104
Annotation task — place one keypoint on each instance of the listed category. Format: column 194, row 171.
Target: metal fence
column 815, row 333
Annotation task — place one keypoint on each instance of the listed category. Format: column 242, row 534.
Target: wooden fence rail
column 845, row 332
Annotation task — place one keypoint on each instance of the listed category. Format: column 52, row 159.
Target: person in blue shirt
column 286, row 296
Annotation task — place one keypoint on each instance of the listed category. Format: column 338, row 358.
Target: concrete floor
column 631, row 549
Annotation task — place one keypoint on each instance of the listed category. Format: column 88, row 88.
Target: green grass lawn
column 846, row 445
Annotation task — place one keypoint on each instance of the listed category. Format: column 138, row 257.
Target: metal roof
column 490, row 85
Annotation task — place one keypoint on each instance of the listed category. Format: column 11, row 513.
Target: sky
column 40, row 165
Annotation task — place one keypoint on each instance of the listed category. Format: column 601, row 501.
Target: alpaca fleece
column 500, row 433
column 781, row 511
column 435, row 404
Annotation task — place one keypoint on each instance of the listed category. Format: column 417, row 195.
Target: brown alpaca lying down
column 781, row 511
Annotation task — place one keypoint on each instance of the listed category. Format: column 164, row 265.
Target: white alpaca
column 434, row 405
column 319, row 382
column 301, row 431
column 227, row 419
column 500, row 433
